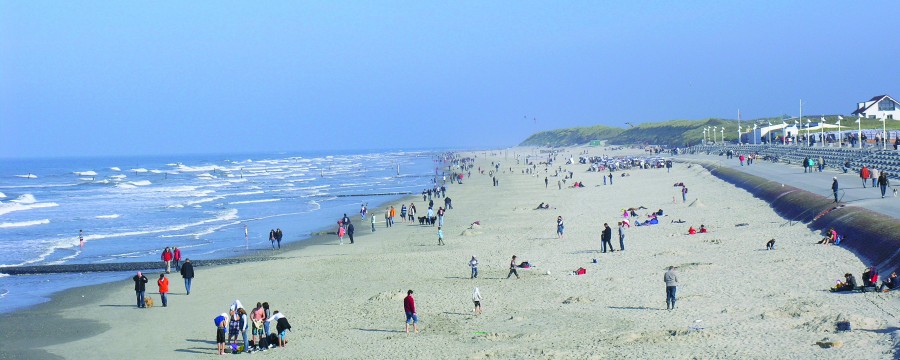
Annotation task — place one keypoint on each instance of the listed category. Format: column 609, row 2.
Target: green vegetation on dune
column 571, row 136
column 678, row 132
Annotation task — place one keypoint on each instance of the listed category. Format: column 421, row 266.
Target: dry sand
column 346, row 301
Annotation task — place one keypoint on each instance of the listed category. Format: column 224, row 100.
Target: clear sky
column 159, row 77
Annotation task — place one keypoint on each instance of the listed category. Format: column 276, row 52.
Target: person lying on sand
column 542, row 206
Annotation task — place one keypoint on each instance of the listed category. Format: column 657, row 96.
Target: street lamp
column 739, row 134
column 859, row 131
column 840, row 136
column 723, row 135
column 822, row 131
column 714, row 134
column 704, row 136
column 807, row 132
column 883, row 132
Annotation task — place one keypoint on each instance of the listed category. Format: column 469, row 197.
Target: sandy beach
column 736, row 300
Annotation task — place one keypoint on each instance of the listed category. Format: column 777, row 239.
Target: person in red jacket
column 864, row 174
column 166, row 257
column 176, row 258
column 409, row 306
column 163, row 283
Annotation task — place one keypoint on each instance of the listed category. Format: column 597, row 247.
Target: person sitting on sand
column 703, row 229
column 830, row 237
column 626, row 223
column 848, row 285
column 692, row 231
column 870, row 277
column 770, row 245
column 542, row 206
column 889, row 284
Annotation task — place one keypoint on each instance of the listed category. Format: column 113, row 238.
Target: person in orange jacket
column 163, row 283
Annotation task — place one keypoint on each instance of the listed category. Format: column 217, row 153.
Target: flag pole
column 859, row 131
column 822, row 131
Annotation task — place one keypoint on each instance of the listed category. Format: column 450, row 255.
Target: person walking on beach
column 278, row 235
column 176, row 258
column 440, row 214
column 244, row 326
column 621, row 236
column 350, row 231
column 440, row 236
column 373, row 222
column 409, row 307
column 610, row 178
column 512, row 268
column 864, row 175
column 474, row 265
column 187, row 272
column 163, row 284
column 341, row 231
column 393, row 214
column 883, row 182
column 387, row 217
column 874, row 176
column 272, row 238
column 140, row 286
column 476, row 298
column 430, row 214
column 412, row 212
column 362, row 212
column 606, row 238
column 684, row 191
column 546, row 182
column 81, row 238
column 166, row 258
column 560, row 227
column 403, row 213
column 671, row 280
column 806, row 164
column 834, row 188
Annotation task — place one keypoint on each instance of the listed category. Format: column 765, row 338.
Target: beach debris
column 697, row 325
column 696, row 203
column 741, row 224
column 826, row 343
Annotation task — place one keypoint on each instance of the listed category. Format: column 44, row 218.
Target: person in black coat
column 140, row 286
column 606, row 238
column 187, row 272
column 350, row 231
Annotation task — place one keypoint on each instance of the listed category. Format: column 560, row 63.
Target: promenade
column 852, row 191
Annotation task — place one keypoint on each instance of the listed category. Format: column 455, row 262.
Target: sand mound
column 389, row 296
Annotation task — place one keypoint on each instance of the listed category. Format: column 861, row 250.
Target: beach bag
column 837, row 240
column 273, row 339
column 263, row 342
column 580, row 271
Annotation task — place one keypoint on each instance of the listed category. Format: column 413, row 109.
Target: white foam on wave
column 24, row 199
column 2, row 195
column 204, row 200
column 28, row 176
column 6, row 208
column 140, row 183
column 139, row 170
column 112, row 216
column 253, row 201
column 247, row 193
column 7, row 225
column 115, row 168
column 120, row 176
column 86, row 179
column 125, row 186
column 86, row 173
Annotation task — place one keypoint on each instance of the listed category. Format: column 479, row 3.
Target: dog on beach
column 148, row 302
column 422, row 220
column 895, row 192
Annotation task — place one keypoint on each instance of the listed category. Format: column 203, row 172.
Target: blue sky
column 99, row 78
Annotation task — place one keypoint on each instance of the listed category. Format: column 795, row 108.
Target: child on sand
column 221, row 323
column 474, row 265
column 409, row 307
column 476, row 298
column 440, row 236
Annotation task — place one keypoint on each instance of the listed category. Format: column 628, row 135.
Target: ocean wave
column 113, row 216
column 204, row 200
column 6, row 208
column 253, row 201
column 114, row 168
column 125, row 186
column 139, row 170
column 2, row 195
column 28, row 176
column 86, row 173
column 120, row 176
column 7, row 225
column 140, row 183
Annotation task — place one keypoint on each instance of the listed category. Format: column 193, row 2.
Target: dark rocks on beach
column 124, row 266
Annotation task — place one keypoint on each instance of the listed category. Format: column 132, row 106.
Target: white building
column 879, row 107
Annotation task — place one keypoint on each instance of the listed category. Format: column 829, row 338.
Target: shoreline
column 536, row 317
column 22, row 319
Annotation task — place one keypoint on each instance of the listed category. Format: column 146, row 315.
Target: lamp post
column 822, row 131
column 840, row 136
column 739, row 134
column 859, row 131
column 783, row 133
column 883, row 132
column 807, row 132
column 723, row 135
column 714, row 134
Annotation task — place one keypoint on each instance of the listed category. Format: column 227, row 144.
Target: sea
column 131, row 208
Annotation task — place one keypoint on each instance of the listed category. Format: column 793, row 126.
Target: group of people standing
column 253, row 327
column 877, row 178
column 140, row 284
